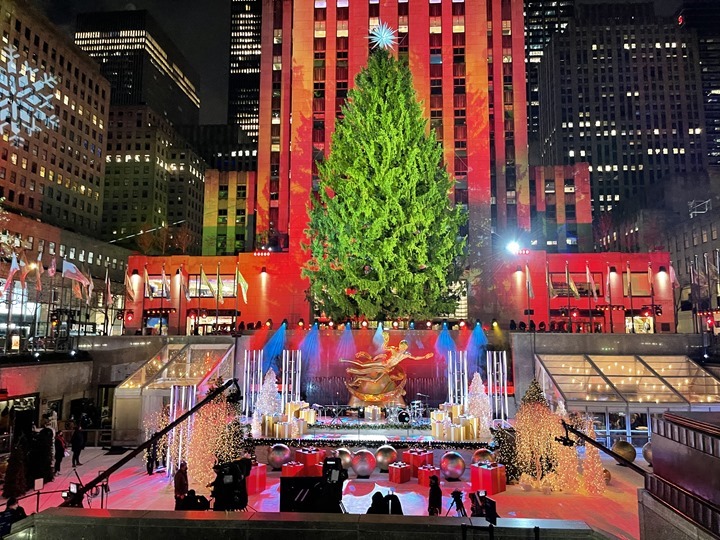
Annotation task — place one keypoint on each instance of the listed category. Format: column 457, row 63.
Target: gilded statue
column 380, row 379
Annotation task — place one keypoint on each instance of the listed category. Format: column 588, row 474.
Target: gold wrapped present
column 455, row 412
column 293, row 408
column 438, row 416
column 268, row 425
column 436, row 429
column 457, row 433
column 283, row 430
column 470, row 423
column 302, row 427
column 309, row 415
column 446, row 407
column 372, row 413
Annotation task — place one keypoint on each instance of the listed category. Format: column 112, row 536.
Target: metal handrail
column 700, row 512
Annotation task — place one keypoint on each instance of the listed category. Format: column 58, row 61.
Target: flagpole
column 197, row 289
column 144, row 290
column 609, row 282
column 162, row 298
column 549, row 290
column 590, row 310
column 652, row 297
column 217, row 297
column 630, row 294
column 717, row 278
column 235, row 315
column 692, row 297
column 8, row 339
column 60, row 311
column 180, row 299
column 50, row 304
column 527, row 292
column 569, row 292
column 707, row 278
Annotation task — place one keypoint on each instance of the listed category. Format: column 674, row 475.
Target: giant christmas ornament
column 647, row 453
column 483, row 455
column 452, row 466
column 382, row 37
column 384, row 456
column 346, row 457
column 607, row 476
column 26, row 97
column 278, row 456
column 363, row 463
column 624, row 449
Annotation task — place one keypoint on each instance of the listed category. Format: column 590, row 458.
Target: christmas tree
column 568, row 477
column 506, row 453
column 478, row 405
column 383, row 234
column 16, row 478
column 536, row 428
column 593, row 475
column 268, row 400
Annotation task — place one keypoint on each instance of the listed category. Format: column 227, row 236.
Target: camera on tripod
column 229, row 488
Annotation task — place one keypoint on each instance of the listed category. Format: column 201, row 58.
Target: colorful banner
column 591, row 281
column 528, row 283
column 14, row 267
column 71, row 271
column 129, row 292
column 570, row 283
column 242, row 283
column 39, row 272
column 146, row 286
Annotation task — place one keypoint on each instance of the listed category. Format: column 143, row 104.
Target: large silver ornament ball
column 385, row 455
column 624, row 449
column 452, row 466
column 363, row 463
column 483, row 455
column 346, row 457
column 278, row 456
column 647, row 453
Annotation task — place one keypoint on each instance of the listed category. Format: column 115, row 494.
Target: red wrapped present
column 417, row 458
column 309, row 456
column 425, row 472
column 488, row 477
column 316, row 469
column 292, row 468
column 257, row 479
column 399, row 472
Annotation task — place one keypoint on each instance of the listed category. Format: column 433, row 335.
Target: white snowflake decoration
column 382, row 36
column 23, row 104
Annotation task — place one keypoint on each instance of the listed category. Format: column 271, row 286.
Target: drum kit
column 405, row 415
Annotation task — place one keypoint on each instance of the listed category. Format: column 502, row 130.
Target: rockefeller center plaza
column 360, row 269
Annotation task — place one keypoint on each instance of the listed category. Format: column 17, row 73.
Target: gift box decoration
column 268, row 425
column 316, row 469
column 436, row 430
column 372, row 413
column 301, row 426
column 257, row 479
column 283, row 430
column 309, row 456
column 293, row 408
column 457, row 433
column 417, row 458
column 292, row 468
column 438, row 416
column 425, row 472
column 456, row 411
column 488, row 477
column 399, row 472
column 470, row 423
column 309, row 415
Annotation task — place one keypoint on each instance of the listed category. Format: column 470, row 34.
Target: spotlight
column 494, row 323
column 478, row 323
column 428, row 324
column 301, row 323
column 662, row 269
column 462, row 324
column 73, row 352
column 364, row 324
column 269, row 323
column 395, row 324
column 129, row 316
column 263, row 270
column 412, row 324
column 513, row 247
column 36, row 355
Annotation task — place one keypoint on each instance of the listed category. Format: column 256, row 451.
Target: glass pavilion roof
column 183, row 365
column 625, row 380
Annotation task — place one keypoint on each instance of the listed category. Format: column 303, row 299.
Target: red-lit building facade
column 275, row 291
column 467, row 61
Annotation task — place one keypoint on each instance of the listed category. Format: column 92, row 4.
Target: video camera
column 229, row 488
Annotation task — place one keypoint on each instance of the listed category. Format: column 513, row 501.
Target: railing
column 106, row 437
column 700, row 512
column 37, row 496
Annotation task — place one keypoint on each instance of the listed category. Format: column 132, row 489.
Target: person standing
column 434, row 497
column 77, row 443
column 12, row 514
column 151, row 456
column 59, row 450
column 181, row 485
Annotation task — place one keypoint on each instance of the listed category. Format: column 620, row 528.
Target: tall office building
column 143, row 66
column 703, row 18
column 543, row 19
column 245, row 49
column 468, row 66
column 620, row 89
column 55, row 175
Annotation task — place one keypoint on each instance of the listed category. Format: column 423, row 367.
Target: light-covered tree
column 478, row 405
column 593, row 470
column 383, row 233
column 268, row 400
column 567, row 473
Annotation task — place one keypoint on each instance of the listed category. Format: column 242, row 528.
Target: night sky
column 201, row 30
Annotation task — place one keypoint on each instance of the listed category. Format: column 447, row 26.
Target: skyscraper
column 620, row 89
column 143, row 66
column 245, row 49
column 703, row 18
column 543, row 18
column 470, row 80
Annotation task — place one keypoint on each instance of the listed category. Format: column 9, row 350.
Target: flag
column 629, row 279
column 39, row 272
column 650, row 278
column 242, row 283
column 77, row 291
column 205, row 281
column 24, row 268
column 607, row 284
column 570, row 283
column 165, row 284
column 218, row 280
column 71, row 271
column 90, row 288
column 673, row 278
column 591, row 282
column 148, row 289
column 108, row 291
column 185, row 289
column 129, row 292
column 14, row 267
column 53, row 268
column 528, row 283
column 551, row 290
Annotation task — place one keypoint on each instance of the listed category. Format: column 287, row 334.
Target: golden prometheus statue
column 380, row 379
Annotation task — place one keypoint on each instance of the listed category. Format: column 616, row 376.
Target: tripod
column 457, row 502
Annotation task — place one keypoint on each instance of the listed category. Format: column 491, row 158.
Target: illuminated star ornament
column 382, row 36
column 25, row 98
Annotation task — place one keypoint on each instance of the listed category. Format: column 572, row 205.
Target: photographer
column 434, row 497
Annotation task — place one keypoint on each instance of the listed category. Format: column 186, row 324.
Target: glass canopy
column 670, row 381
